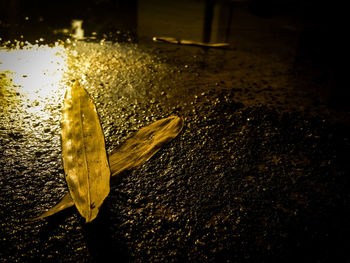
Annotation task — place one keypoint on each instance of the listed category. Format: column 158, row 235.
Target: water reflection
column 32, row 81
column 35, row 71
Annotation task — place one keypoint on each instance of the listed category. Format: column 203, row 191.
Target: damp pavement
column 260, row 172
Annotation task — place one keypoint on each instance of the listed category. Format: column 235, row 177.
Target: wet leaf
column 134, row 152
column 137, row 149
column 66, row 202
column 84, row 153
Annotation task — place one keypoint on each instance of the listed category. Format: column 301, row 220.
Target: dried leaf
column 84, row 153
column 134, row 152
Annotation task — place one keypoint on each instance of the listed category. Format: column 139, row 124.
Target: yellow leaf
column 137, row 149
column 84, row 153
column 134, row 152
column 66, row 202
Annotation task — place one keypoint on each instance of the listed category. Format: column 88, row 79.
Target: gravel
column 244, row 181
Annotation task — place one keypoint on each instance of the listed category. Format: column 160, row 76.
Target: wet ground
column 258, row 174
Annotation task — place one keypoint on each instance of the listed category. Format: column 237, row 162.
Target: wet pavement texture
column 260, row 172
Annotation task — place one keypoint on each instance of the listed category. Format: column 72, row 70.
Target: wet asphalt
column 260, row 172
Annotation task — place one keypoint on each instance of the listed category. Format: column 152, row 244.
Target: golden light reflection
column 36, row 71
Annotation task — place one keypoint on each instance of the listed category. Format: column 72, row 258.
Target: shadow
column 223, row 20
column 208, row 20
column 53, row 223
column 103, row 242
